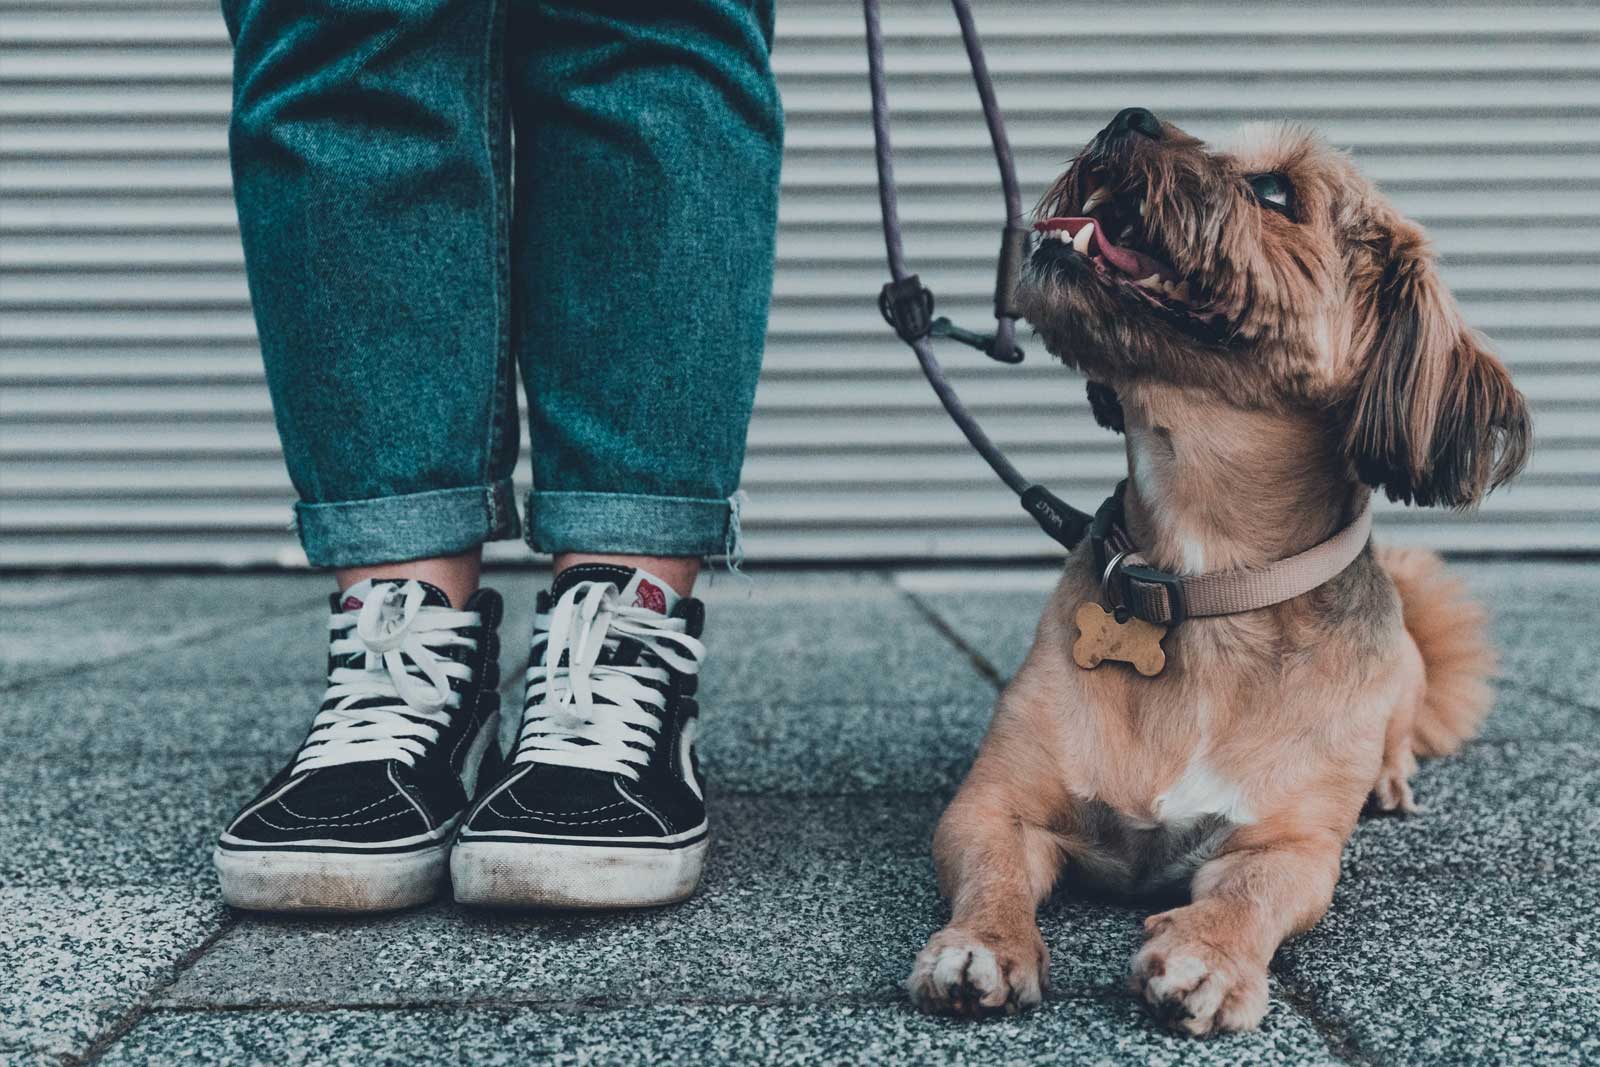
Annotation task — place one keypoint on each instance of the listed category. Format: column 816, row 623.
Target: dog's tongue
column 1130, row 262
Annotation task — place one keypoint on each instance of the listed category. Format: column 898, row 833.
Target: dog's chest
column 1190, row 821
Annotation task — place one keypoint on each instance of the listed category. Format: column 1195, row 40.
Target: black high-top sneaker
column 602, row 806
column 362, row 817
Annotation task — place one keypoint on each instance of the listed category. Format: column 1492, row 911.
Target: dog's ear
column 1432, row 415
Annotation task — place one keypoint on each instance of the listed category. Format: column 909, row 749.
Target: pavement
column 841, row 708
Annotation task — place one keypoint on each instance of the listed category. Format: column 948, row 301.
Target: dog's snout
column 1135, row 120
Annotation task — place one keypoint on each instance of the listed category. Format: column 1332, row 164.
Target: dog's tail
column 1451, row 631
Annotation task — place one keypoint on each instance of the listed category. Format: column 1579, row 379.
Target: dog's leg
column 1392, row 790
column 1203, row 967
column 995, row 867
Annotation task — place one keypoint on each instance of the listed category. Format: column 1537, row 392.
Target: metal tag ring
column 1105, row 577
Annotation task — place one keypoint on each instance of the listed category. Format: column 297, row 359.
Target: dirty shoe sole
column 306, row 880
column 506, row 872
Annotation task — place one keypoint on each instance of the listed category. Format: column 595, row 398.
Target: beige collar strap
column 1129, row 584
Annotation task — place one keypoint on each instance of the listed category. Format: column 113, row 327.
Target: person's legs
column 648, row 146
column 649, row 139
column 369, row 166
column 369, row 161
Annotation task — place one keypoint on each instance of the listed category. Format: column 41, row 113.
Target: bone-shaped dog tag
column 1102, row 637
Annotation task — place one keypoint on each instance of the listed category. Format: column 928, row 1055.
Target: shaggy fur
column 1293, row 349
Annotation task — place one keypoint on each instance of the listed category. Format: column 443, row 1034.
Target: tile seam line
column 1341, row 1044
column 978, row 661
column 23, row 685
column 124, row 1023
column 1541, row 691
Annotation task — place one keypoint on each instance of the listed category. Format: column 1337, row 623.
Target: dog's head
column 1272, row 274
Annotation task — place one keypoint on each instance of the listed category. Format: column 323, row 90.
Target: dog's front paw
column 960, row 973
column 1194, row 987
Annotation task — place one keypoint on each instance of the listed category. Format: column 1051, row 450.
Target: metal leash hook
column 907, row 304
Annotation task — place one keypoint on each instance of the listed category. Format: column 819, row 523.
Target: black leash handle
column 907, row 304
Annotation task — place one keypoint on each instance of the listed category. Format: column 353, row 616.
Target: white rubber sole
column 540, row 874
column 331, row 882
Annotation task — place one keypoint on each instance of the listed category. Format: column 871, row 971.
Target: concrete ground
column 841, row 710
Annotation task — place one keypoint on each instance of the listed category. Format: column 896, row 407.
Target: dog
column 1275, row 342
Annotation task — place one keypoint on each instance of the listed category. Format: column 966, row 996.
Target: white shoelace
column 397, row 633
column 562, row 722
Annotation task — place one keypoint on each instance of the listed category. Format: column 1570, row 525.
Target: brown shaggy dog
column 1273, row 338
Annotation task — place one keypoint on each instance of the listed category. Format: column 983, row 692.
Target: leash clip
column 907, row 305
column 987, row 343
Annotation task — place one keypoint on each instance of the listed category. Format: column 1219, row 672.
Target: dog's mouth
column 1110, row 233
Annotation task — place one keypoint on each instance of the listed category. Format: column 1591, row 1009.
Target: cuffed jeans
column 400, row 276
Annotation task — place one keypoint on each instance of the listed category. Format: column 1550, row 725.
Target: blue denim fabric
column 401, row 273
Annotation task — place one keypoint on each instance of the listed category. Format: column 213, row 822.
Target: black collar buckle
column 1140, row 601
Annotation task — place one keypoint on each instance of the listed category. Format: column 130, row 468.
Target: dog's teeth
column 1141, row 207
column 1080, row 243
column 1096, row 198
column 1152, row 282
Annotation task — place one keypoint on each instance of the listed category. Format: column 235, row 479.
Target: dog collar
column 1132, row 587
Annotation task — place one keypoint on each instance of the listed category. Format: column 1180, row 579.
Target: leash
column 1135, row 589
column 907, row 304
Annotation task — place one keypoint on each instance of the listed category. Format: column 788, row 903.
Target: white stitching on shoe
column 331, row 826
column 586, row 811
column 427, row 820
column 341, row 815
column 564, row 822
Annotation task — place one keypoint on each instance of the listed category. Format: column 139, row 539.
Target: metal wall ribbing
column 135, row 428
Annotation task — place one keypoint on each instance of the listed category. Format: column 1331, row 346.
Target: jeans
column 400, row 275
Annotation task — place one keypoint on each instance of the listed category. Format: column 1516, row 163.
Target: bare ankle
column 456, row 575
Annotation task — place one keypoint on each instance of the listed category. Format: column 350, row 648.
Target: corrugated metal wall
column 136, row 428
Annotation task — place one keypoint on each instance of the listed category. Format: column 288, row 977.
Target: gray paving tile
column 90, row 618
column 140, row 821
column 1560, row 585
column 1452, row 971
column 1520, row 715
column 850, row 642
column 1558, row 654
column 98, row 717
column 998, row 626
column 78, row 959
column 1106, row 1032
column 1497, row 809
column 830, row 748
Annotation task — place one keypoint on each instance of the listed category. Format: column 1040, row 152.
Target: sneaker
column 602, row 805
column 362, row 817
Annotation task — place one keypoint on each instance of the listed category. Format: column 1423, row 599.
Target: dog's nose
column 1135, row 120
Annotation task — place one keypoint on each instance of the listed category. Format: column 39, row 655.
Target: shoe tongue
column 354, row 597
column 636, row 587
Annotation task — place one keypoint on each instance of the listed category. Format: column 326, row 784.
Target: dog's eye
column 1272, row 190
